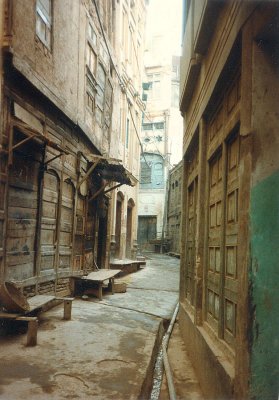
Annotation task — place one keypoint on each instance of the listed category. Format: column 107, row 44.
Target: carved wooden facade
column 220, row 294
column 60, row 107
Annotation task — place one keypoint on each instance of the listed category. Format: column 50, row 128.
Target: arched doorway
column 119, row 206
column 130, row 207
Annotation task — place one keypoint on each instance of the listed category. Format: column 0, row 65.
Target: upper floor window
column 150, row 126
column 175, row 72
column 101, row 83
column 175, row 94
column 92, row 35
column 91, row 59
column 152, row 171
column 145, row 173
column 104, row 54
column 154, row 81
column 44, row 21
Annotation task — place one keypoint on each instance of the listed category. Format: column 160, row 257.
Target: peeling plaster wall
column 265, row 227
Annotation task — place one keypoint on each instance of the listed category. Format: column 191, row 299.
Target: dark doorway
column 129, row 228
column 118, row 224
column 102, row 232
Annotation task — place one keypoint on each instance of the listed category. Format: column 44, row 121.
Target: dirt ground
column 184, row 378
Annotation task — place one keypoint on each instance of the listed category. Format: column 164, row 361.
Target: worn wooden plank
column 39, row 301
column 4, row 315
column 102, row 275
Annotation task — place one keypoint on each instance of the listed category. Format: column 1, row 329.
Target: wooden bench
column 38, row 304
column 127, row 266
column 99, row 277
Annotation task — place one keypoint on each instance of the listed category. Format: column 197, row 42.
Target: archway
column 119, row 206
column 129, row 226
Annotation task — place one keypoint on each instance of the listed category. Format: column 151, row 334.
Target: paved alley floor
column 106, row 351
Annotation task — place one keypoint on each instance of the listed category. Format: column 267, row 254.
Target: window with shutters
column 101, row 84
column 145, row 173
column 222, row 243
column 91, row 59
column 44, row 21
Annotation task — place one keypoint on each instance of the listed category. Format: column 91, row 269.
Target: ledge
column 190, row 82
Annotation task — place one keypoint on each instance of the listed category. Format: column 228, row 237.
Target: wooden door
column 118, row 227
column 49, row 221
column 129, row 230
column 231, row 241
column 22, row 214
column 191, row 248
column 147, row 230
column 214, row 241
column 79, row 234
column 66, row 226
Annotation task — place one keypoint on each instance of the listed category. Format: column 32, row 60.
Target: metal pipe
column 168, row 372
column 170, row 328
column 160, row 364
column 167, row 367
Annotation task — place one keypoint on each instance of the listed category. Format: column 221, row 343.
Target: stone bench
column 38, row 304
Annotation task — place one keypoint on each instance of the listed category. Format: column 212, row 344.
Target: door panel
column 22, row 217
column 147, row 230
column 49, row 221
column 66, row 226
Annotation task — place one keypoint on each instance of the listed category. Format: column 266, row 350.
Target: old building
column 174, row 197
column 68, row 138
column 129, row 29
column 229, row 99
column 161, row 124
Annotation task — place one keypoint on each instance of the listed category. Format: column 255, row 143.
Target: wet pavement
column 106, row 351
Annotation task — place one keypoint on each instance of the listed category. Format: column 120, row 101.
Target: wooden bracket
column 91, row 169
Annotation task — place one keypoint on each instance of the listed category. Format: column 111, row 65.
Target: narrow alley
column 139, row 199
column 108, row 348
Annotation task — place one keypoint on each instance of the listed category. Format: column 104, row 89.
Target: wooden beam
column 114, row 187
column 98, row 192
column 91, row 169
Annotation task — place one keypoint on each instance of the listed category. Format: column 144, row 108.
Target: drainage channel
column 162, row 364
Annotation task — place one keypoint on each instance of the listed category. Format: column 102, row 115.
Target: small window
column 91, row 59
column 101, row 81
column 146, row 85
column 44, row 21
column 147, row 127
column 104, row 54
column 90, row 102
column 159, row 125
column 145, row 173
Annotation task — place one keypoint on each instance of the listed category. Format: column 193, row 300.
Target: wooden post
column 68, row 309
column 32, row 331
column 100, row 288
column 111, row 282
